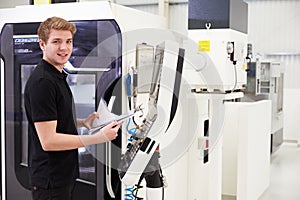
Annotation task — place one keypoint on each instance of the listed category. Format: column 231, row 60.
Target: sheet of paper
column 106, row 117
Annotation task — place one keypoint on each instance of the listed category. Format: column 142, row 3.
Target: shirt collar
column 54, row 71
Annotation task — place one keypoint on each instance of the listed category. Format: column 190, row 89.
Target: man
column 52, row 128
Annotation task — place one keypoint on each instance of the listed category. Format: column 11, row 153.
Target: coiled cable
column 131, row 131
column 129, row 193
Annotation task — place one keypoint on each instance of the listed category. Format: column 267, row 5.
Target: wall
column 178, row 11
column 274, row 25
column 12, row 3
column 274, row 32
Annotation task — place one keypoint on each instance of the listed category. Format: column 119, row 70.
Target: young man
column 52, row 129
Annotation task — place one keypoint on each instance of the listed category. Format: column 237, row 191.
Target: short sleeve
column 43, row 101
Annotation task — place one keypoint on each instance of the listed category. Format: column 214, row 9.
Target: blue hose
column 131, row 131
column 130, row 194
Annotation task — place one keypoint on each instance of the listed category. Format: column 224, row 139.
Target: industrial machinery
column 221, row 32
column 162, row 107
column 265, row 80
column 219, row 28
column 20, row 52
column 181, row 82
column 213, row 72
column 96, row 73
column 177, row 113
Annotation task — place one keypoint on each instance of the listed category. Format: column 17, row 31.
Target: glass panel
column 83, row 87
column 265, row 72
column 96, row 44
column 25, row 73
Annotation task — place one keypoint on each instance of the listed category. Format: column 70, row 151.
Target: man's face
column 58, row 48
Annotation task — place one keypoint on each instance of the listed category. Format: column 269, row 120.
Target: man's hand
column 109, row 132
column 87, row 122
column 106, row 134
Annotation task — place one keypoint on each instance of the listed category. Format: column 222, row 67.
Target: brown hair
column 57, row 24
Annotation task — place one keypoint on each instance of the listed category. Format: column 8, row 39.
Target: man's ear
column 42, row 44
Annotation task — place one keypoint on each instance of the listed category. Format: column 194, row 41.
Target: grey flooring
column 285, row 174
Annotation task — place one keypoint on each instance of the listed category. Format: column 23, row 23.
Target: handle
column 108, row 157
column 71, row 69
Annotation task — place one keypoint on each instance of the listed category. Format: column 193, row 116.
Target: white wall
column 12, row 3
column 274, row 30
column 274, row 26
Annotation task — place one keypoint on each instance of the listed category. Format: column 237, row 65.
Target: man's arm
column 52, row 141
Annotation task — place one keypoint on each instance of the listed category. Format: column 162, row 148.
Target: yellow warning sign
column 244, row 67
column 39, row 2
column 204, row 45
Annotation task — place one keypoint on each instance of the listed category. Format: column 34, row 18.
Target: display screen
column 158, row 61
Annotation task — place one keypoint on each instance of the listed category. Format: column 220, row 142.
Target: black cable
column 138, row 186
column 134, row 121
column 162, row 181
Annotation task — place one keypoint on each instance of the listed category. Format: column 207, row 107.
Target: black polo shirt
column 48, row 97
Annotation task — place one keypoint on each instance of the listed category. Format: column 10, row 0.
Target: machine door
column 263, row 78
column 95, row 73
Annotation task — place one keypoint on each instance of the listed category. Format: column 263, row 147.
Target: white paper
column 106, row 117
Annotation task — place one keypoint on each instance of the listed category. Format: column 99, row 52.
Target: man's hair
column 56, row 23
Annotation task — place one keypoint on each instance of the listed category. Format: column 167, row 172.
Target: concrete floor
column 285, row 174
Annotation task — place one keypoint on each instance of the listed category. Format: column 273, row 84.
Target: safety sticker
column 204, row 45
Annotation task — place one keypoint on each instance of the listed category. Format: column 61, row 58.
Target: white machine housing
column 224, row 47
column 164, row 75
column 265, row 81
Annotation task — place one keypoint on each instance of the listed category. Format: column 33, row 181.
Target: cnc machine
column 96, row 72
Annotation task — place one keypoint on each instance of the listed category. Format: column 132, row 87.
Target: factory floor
column 285, row 174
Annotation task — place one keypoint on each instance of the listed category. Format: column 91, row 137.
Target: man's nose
column 63, row 45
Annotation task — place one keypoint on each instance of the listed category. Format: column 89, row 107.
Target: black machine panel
column 215, row 14
column 20, row 52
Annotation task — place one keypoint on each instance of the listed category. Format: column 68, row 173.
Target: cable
column 235, row 76
column 133, row 120
column 138, row 186
column 128, row 88
column 164, row 182
column 131, row 131
column 133, row 191
column 130, row 195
